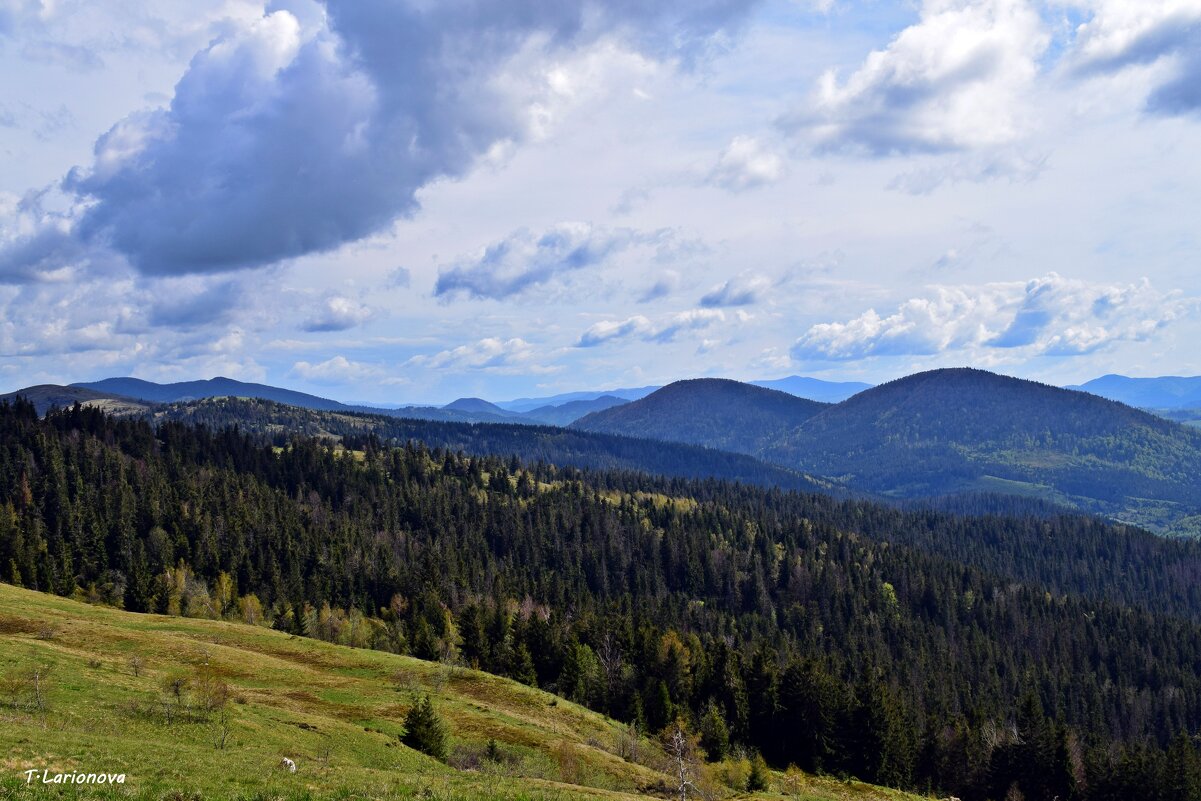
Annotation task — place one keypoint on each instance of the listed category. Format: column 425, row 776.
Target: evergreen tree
column 715, row 735
column 425, row 731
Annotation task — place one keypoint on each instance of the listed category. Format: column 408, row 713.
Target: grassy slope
column 336, row 711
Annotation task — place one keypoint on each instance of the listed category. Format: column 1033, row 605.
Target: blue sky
column 413, row 201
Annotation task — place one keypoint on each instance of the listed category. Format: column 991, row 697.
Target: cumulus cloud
column 1050, row 315
column 739, row 291
column 606, row 330
column 335, row 370
column 295, row 133
column 524, row 259
column 746, row 163
column 954, row 80
column 1122, row 34
column 492, row 354
column 338, row 313
column 663, row 330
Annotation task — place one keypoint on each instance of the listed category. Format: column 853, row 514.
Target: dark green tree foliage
column 756, row 780
column 715, row 734
column 1057, row 656
column 425, row 731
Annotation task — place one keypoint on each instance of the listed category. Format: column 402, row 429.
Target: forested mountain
column 714, row 412
column 831, row 635
column 48, row 396
column 944, row 432
column 950, row 430
column 479, row 406
column 210, row 388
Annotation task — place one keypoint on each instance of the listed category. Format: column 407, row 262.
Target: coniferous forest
column 973, row 655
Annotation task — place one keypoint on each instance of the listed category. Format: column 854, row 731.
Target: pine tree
column 425, row 731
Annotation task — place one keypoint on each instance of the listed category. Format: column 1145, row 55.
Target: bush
column 425, row 731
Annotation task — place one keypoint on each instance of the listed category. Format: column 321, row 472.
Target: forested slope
column 818, row 633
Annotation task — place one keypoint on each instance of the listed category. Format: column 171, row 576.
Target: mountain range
column 1165, row 392
column 945, row 432
column 933, row 434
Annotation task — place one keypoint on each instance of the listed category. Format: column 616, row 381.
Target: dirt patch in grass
column 18, row 625
column 314, row 705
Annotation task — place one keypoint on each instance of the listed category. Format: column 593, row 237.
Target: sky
column 395, row 201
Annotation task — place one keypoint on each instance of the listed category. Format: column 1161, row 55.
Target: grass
column 336, row 711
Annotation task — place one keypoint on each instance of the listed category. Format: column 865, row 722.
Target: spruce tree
column 425, row 731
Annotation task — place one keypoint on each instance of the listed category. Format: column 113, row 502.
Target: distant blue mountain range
column 1165, row 392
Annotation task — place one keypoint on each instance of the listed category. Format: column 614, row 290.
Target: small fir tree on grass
column 425, row 731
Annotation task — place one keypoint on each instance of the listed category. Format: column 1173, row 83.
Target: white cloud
column 954, row 80
column 1126, row 33
column 664, row 330
column 491, row 353
column 746, row 163
column 338, row 313
column 335, row 370
column 1046, row 316
column 523, row 259
column 743, row 290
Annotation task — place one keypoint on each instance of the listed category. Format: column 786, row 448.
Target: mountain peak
column 715, row 412
column 474, row 405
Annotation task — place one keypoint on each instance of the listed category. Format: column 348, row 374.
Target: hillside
column 47, row 396
column 335, row 711
column 953, row 430
column 714, row 412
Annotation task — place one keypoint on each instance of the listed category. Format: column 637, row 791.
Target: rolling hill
column 335, row 711
column 713, row 412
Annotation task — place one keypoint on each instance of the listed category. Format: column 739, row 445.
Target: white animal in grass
column 289, row 765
